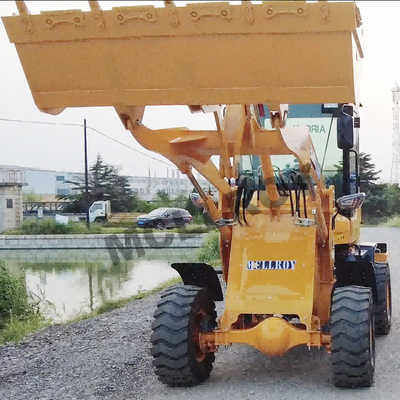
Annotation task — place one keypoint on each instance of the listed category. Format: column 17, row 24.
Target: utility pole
column 86, row 178
column 395, row 173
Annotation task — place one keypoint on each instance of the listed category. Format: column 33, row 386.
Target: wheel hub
column 198, row 328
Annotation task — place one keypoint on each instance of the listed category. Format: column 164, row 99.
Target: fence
column 13, row 177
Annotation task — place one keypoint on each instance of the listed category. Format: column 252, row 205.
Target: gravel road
column 108, row 358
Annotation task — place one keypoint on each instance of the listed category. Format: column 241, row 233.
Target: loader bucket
column 209, row 53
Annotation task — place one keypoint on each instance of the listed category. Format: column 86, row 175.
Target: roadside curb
column 102, row 241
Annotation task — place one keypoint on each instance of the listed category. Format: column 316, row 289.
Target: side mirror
column 350, row 202
column 345, row 129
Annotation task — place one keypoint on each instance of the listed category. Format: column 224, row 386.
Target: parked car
column 164, row 218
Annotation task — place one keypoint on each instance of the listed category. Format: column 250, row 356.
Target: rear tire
column 383, row 305
column 353, row 337
column 181, row 314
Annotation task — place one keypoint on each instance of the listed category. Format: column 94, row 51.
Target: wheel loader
column 281, row 80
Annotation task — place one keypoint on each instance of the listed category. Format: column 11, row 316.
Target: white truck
column 100, row 211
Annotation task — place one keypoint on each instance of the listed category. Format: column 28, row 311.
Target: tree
column 104, row 183
column 377, row 195
column 393, row 192
column 162, row 199
column 368, row 174
column 202, row 216
column 31, row 197
column 179, row 201
column 376, row 202
column 144, row 207
column 336, row 180
column 381, row 200
column 120, row 194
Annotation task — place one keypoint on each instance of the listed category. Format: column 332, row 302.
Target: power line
column 129, row 147
column 39, row 122
column 88, row 127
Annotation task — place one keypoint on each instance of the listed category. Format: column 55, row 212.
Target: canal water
column 71, row 282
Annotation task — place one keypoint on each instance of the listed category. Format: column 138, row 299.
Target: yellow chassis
column 273, row 337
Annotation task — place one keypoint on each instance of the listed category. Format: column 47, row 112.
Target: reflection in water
column 73, row 287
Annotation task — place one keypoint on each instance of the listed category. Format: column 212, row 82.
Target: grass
column 19, row 326
column 16, row 329
column 393, row 222
column 120, row 224
column 198, row 219
column 209, row 251
column 14, row 302
column 19, row 315
column 49, row 227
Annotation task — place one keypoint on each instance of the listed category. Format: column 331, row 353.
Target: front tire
column 159, row 225
column 181, row 314
column 383, row 305
column 353, row 337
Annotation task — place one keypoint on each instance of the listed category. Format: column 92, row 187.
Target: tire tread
column 351, row 322
column 172, row 348
column 382, row 319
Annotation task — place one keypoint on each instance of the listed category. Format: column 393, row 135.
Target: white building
column 148, row 186
column 11, row 212
column 49, row 183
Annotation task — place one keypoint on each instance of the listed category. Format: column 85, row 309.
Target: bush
column 375, row 221
column 44, row 227
column 393, row 222
column 14, row 302
column 201, row 218
column 209, row 250
column 18, row 328
column 192, row 228
column 120, row 224
column 198, row 219
column 81, row 228
column 18, row 315
column 144, row 207
column 49, row 226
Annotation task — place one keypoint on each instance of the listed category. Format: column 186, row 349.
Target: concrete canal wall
column 143, row 241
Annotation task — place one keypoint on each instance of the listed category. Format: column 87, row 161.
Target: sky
column 60, row 148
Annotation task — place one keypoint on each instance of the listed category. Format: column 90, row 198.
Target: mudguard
column 359, row 270
column 200, row 274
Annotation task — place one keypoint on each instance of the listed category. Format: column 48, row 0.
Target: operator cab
column 334, row 130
